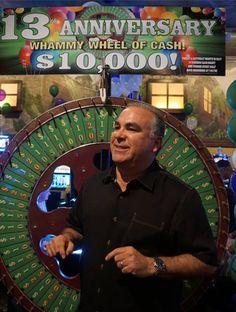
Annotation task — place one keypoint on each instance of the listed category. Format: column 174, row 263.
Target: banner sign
column 131, row 40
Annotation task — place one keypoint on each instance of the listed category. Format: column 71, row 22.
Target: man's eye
column 132, row 129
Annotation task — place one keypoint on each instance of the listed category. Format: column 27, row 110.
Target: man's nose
column 120, row 133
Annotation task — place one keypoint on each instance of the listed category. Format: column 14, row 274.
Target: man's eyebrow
column 133, row 124
column 129, row 125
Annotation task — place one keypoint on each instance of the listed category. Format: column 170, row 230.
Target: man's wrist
column 159, row 266
column 67, row 236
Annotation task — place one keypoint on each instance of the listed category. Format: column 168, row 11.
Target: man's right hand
column 60, row 244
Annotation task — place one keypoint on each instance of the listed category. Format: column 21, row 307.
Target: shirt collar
column 147, row 179
column 110, row 175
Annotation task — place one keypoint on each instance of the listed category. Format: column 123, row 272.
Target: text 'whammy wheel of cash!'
column 74, row 135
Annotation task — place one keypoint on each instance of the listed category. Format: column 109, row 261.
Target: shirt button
column 109, row 242
column 115, row 219
column 98, row 290
column 102, row 266
column 121, row 196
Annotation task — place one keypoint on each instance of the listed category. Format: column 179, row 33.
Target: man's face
column 131, row 142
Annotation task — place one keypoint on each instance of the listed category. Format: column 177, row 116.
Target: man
column 142, row 229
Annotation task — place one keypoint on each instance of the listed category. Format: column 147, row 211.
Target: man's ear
column 157, row 144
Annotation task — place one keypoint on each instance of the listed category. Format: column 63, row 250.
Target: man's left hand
column 131, row 261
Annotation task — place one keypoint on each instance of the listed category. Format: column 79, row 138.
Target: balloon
column 90, row 4
column 2, row 94
column 184, row 39
column 187, row 56
column 222, row 19
column 218, row 12
column 168, row 15
column 176, row 10
column 231, row 129
column 58, row 101
column 53, row 10
column 231, row 95
column 207, row 11
column 196, row 9
column 54, row 90
column 183, row 19
column 151, row 12
column 9, row 11
column 192, row 122
column 39, row 10
column 24, row 55
column 71, row 16
column 36, row 53
column 75, row 9
column 19, row 10
column 57, row 20
column 6, row 108
column 188, row 108
column 53, row 35
column 136, row 11
column 234, row 158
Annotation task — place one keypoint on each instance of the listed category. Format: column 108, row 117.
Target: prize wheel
column 76, row 135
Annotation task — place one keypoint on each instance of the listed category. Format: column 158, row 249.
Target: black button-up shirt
column 159, row 216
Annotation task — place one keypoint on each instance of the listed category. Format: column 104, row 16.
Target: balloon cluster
column 172, row 13
column 54, row 90
column 57, row 16
column 231, row 101
column 218, row 13
column 5, row 107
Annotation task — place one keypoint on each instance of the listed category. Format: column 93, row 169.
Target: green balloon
column 177, row 10
column 231, row 95
column 6, row 108
column 39, row 10
column 54, row 90
column 188, row 108
column 231, row 129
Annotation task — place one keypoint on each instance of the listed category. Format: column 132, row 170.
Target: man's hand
column 129, row 260
column 60, row 244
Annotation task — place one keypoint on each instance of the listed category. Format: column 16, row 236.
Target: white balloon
column 234, row 158
column 90, row 4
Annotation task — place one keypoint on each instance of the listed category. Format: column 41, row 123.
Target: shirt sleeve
column 74, row 219
column 192, row 232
